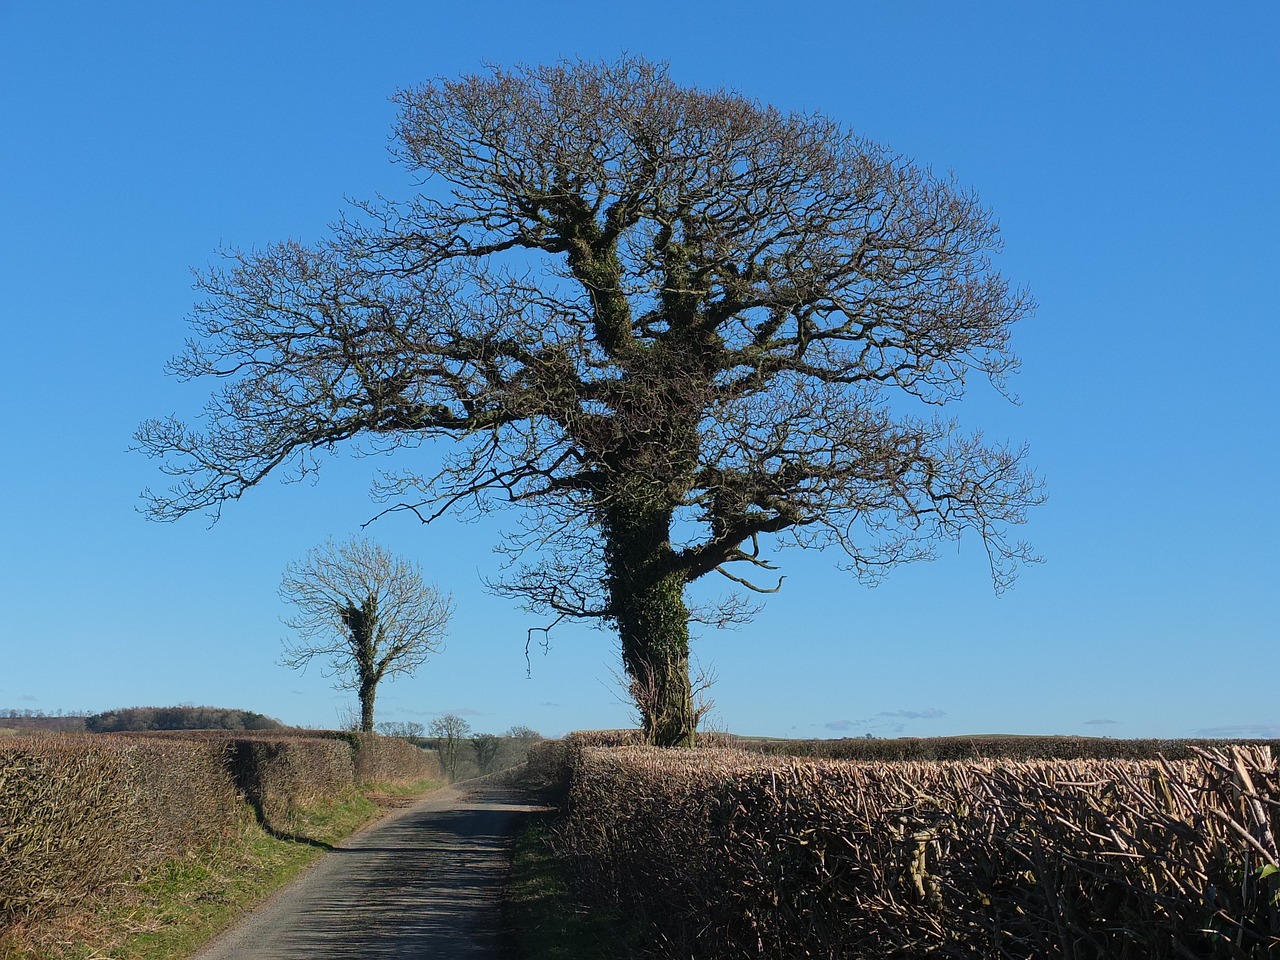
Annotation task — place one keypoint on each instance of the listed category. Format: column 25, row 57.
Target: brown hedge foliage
column 729, row 854
column 988, row 748
column 83, row 816
column 277, row 776
column 393, row 760
column 548, row 766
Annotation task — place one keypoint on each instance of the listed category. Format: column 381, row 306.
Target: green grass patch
column 414, row 789
column 169, row 914
column 546, row 919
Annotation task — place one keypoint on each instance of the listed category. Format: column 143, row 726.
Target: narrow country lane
column 424, row 883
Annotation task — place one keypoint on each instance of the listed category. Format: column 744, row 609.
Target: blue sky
column 1129, row 151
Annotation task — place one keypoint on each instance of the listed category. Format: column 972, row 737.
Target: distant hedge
column 555, row 759
column 987, row 748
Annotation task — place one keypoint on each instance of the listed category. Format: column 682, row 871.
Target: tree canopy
column 368, row 613
column 676, row 326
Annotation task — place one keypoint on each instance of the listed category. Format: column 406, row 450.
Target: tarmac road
column 424, row 883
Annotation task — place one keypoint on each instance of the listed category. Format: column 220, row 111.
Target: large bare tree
column 678, row 327
column 366, row 611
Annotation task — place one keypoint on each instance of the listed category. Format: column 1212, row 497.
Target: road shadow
column 245, row 764
column 427, row 883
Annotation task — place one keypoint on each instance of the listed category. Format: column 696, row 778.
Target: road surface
column 424, row 883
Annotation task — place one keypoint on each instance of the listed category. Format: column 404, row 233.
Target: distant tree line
column 448, row 734
column 400, row 728
column 132, row 719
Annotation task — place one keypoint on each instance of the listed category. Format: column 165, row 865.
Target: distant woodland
column 136, row 719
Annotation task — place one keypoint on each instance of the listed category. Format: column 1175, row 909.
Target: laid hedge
column 554, row 761
column 83, row 816
column 393, row 760
column 986, row 748
column 278, row 776
column 877, row 749
column 732, row 854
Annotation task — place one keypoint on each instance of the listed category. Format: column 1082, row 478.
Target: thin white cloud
column 1242, row 731
column 929, row 713
column 884, row 722
column 1099, row 723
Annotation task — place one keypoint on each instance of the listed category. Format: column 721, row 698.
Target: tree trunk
column 362, row 622
column 647, row 603
column 368, row 692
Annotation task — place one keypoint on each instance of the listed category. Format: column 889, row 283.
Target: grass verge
column 545, row 919
column 169, row 914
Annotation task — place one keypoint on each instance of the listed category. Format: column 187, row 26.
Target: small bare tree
column 521, row 732
column 486, row 747
column 449, row 731
column 409, row 730
column 368, row 612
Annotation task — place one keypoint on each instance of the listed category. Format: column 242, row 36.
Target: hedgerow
column 732, row 854
column 81, row 817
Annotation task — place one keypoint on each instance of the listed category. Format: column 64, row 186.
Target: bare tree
column 409, row 730
column 449, row 730
column 486, row 747
column 521, row 732
column 521, row 739
column 368, row 612
column 675, row 326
